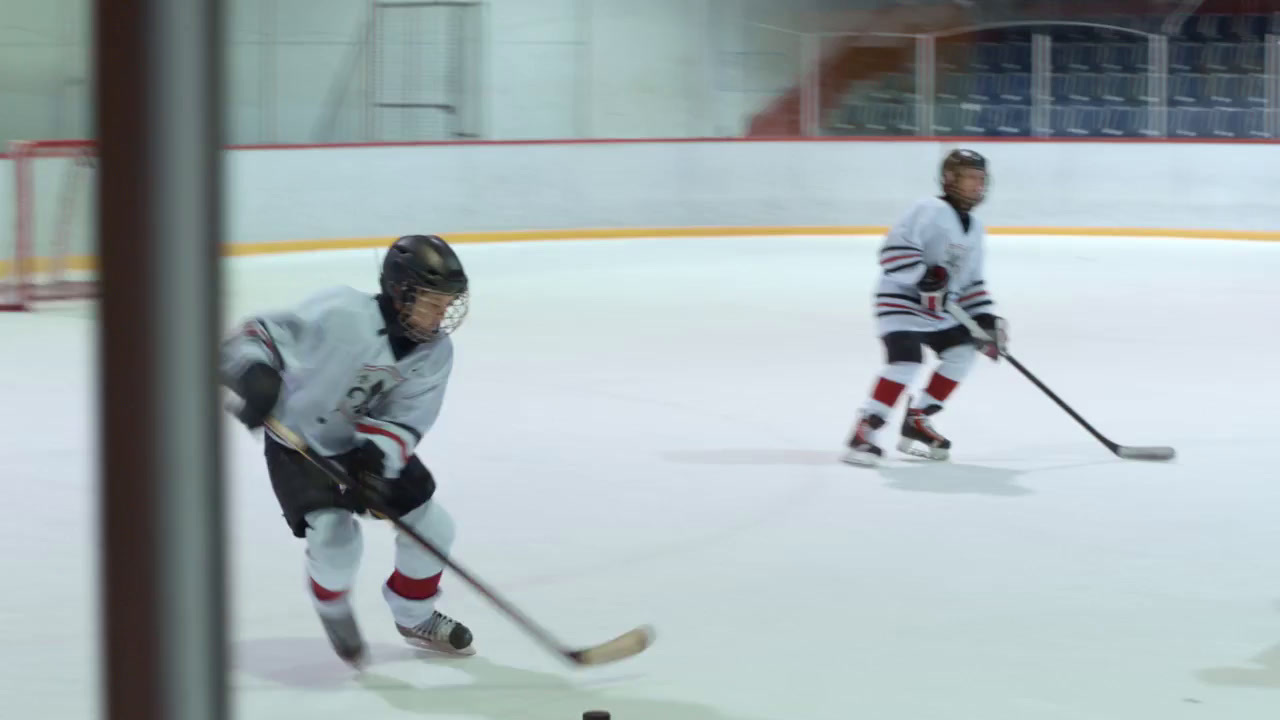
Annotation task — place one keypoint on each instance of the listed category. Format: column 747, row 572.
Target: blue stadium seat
column 853, row 119
column 986, row 58
column 1015, row 88
column 985, row 88
column 1224, row 57
column 1255, row 124
column 1123, row 89
column 954, row 86
column 1254, row 90
column 953, row 56
column 1123, row 121
column 1253, row 57
column 901, row 86
column 1015, row 57
column 946, row 118
column 1228, row 122
column 1255, row 27
column 875, row 120
column 1084, row 88
column 1070, row 57
column 1075, row 120
column 1187, row 57
column 1188, row 89
column 1192, row 29
column 1226, row 90
column 955, row 119
column 1121, row 57
column 1190, row 122
column 988, row 119
column 1060, row 87
column 1011, row 120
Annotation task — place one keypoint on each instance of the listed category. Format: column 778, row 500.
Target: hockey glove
column 933, row 288
column 366, row 465
column 997, row 329
column 257, row 390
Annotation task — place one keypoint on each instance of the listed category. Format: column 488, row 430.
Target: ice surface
column 648, row 431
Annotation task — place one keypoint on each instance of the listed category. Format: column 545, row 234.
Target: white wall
column 363, row 192
column 624, row 69
column 550, row 69
column 44, row 68
column 336, row 193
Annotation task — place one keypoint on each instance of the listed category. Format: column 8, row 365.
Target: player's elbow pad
column 259, row 388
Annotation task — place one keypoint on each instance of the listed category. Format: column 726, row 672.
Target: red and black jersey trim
column 975, row 296
column 405, row 437
column 888, row 304
column 894, row 258
column 257, row 330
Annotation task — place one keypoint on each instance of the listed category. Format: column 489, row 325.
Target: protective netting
column 51, row 252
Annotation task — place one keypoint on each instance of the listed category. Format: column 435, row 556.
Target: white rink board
column 359, row 192
column 277, row 195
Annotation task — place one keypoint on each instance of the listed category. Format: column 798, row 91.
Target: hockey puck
column 595, row 715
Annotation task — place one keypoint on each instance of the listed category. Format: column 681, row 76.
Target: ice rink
column 647, row 431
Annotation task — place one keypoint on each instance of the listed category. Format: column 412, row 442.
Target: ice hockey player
column 360, row 378
column 934, row 253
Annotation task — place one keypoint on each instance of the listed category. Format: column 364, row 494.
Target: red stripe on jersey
column 895, row 258
column 375, row 430
column 973, row 295
column 908, row 307
column 255, row 330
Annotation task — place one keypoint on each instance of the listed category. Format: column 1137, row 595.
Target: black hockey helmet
column 417, row 267
column 955, row 161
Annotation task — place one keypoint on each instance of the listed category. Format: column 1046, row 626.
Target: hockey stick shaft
column 624, row 646
column 1143, row 453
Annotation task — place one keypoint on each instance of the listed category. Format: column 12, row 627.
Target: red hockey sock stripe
column 940, row 387
column 413, row 588
column 887, row 391
column 324, row 594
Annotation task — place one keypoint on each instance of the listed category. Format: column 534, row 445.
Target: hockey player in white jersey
column 360, row 378
column 934, row 253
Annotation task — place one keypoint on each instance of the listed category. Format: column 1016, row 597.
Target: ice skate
column 440, row 633
column 862, row 448
column 344, row 636
column 919, row 438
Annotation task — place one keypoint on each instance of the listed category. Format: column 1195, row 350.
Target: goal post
column 49, row 253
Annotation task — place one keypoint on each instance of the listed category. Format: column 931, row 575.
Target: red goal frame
column 34, row 273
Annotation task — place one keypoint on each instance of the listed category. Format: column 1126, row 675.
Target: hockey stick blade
column 632, row 642
column 1133, row 452
column 626, row 645
column 1127, row 452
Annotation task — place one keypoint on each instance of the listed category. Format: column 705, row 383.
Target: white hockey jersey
column 931, row 233
column 341, row 379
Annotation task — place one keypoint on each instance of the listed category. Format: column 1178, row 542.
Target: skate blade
column 920, row 450
column 445, row 650
column 861, row 459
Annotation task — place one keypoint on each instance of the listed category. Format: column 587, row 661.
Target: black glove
column 258, row 388
column 365, row 465
column 933, row 288
column 997, row 329
column 935, row 279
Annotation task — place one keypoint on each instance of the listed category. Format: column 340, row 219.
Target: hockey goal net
column 52, row 197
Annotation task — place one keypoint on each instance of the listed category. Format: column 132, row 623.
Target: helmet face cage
column 420, row 318
column 952, row 170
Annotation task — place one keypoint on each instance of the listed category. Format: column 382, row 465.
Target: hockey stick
column 1128, row 452
column 624, row 646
